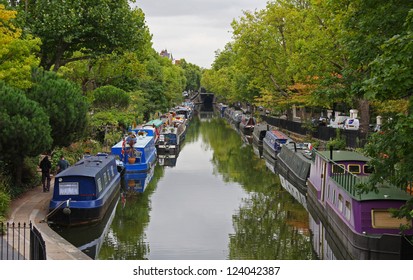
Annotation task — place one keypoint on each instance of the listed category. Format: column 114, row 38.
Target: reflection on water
column 89, row 239
column 219, row 201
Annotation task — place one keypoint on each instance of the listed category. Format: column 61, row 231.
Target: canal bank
column 32, row 206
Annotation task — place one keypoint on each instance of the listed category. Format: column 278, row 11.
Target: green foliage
column 393, row 69
column 193, row 74
column 95, row 27
column 5, row 186
column 64, row 103
column 338, row 143
column 24, row 129
column 110, row 97
column 17, row 52
column 24, row 126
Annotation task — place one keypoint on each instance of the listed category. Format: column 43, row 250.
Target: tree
column 110, row 97
column 24, row 129
column 192, row 74
column 94, row 27
column 64, row 103
column 368, row 24
column 17, row 52
column 391, row 148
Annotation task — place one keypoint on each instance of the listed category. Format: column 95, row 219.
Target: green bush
column 338, row 143
column 5, row 199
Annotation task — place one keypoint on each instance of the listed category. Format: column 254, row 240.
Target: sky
column 194, row 29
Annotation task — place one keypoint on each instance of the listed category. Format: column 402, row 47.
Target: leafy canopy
column 17, row 52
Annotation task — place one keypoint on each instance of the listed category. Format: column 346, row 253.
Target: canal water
column 218, row 201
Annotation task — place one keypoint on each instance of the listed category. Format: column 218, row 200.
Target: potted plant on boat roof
column 131, row 140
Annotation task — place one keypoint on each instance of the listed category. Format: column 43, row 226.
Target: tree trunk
column 364, row 115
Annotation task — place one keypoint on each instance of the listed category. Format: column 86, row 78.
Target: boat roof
column 278, row 134
column 141, row 142
column 156, row 123
column 384, row 191
column 87, row 167
column 342, row 155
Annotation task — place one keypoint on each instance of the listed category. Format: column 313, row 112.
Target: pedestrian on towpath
column 62, row 164
column 45, row 165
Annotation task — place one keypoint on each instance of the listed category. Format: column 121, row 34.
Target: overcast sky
column 194, row 29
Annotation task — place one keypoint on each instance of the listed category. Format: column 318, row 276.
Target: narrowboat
column 84, row 191
column 234, row 118
column 361, row 222
column 185, row 111
column 246, row 128
column 221, row 109
column 272, row 143
column 136, row 152
column 172, row 134
column 151, row 128
column 258, row 135
column 293, row 168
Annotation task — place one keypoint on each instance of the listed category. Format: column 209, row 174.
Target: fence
column 15, row 244
column 353, row 138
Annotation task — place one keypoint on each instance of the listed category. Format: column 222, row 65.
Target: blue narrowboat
column 136, row 152
column 152, row 128
column 272, row 143
column 84, row 192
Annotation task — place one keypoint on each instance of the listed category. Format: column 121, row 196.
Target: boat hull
column 358, row 246
column 77, row 213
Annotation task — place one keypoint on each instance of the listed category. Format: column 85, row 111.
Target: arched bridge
column 206, row 99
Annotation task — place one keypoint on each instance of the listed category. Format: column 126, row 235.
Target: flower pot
column 131, row 160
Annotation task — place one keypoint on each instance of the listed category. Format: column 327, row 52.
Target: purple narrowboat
column 361, row 223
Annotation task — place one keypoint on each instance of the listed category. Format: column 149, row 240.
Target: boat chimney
column 331, row 152
column 295, row 147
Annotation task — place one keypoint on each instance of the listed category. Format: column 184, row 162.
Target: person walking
column 45, row 165
column 62, row 164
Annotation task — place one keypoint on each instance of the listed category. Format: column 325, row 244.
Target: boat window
column 354, row 168
column 105, row 179
column 367, row 169
column 340, row 203
column 382, row 218
column 348, row 210
column 338, row 168
column 99, row 185
column 112, row 171
column 334, row 197
column 328, row 191
column 68, row 188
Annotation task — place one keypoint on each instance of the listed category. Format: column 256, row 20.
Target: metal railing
column 353, row 138
column 21, row 241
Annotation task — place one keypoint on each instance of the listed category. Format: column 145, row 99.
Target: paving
column 33, row 207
